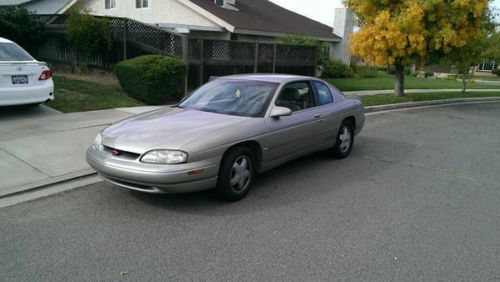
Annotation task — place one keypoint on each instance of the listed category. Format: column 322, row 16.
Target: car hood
column 167, row 128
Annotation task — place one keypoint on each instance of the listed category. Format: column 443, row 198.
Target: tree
column 492, row 48
column 88, row 34
column 16, row 23
column 398, row 32
column 463, row 59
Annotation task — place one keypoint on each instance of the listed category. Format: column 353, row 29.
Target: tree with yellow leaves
column 398, row 32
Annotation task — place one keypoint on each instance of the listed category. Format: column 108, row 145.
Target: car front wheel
column 236, row 174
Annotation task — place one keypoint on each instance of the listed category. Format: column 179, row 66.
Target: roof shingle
column 263, row 15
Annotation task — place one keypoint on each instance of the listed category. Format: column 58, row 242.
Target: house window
column 109, row 4
column 141, row 4
column 487, row 65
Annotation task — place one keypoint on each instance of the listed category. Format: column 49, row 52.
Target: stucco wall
column 159, row 11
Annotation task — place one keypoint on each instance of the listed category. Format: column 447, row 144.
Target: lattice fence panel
column 154, row 38
column 295, row 55
column 266, row 53
column 194, row 50
column 230, row 52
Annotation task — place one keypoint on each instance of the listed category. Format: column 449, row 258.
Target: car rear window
column 10, row 52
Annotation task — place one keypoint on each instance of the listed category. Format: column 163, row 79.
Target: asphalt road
column 419, row 199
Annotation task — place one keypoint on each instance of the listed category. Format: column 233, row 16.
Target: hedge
column 336, row 69
column 152, row 79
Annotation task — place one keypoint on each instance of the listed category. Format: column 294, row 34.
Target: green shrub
column 88, row 34
column 153, row 79
column 392, row 70
column 496, row 71
column 336, row 69
column 21, row 26
column 364, row 71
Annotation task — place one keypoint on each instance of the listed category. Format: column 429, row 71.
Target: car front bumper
column 154, row 179
column 10, row 96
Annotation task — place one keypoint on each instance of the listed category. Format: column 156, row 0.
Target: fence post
column 202, row 62
column 125, row 38
column 185, row 59
column 274, row 58
column 256, row 58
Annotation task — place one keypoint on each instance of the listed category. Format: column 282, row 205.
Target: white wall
column 342, row 27
column 159, row 11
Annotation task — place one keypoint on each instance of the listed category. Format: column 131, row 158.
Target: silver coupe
column 225, row 133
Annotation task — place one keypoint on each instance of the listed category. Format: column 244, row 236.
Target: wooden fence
column 204, row 57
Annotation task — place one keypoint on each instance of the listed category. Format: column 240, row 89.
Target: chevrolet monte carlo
column 225, row 133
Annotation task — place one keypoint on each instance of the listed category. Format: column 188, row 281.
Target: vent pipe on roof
column 227, row 4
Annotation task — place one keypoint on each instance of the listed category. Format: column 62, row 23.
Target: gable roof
column 266, row 18
column 47, row 6
column 12, row 2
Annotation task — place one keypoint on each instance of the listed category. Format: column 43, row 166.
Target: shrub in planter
column 336, row 69
column 153, row 79
column 496, row 71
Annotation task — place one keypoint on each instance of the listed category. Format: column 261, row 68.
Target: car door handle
column 317, row 116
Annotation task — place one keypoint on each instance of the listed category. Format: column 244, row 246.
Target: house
column 244, row 20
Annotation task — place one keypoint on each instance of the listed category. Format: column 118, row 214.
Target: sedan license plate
column 19, row 79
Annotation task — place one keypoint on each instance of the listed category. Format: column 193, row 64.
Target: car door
column 298, row 133
column 329, row 110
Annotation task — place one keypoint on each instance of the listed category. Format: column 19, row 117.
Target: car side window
column 296, row 96
column 323, row 92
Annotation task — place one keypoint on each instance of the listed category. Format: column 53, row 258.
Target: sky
column 322, row 10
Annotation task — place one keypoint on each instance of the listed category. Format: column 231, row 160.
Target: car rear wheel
column 236, row 174
column 344, row 141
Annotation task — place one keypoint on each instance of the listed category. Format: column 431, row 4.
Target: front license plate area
column 19, row 79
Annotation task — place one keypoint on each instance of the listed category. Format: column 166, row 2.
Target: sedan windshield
column 232, row 97
column 10, row 52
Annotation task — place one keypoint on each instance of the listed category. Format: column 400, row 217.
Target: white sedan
column 23, row 80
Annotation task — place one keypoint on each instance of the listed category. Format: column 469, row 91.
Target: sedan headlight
column 98, row 142
column 164, row 157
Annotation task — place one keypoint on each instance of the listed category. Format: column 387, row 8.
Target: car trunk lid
column 20, row 74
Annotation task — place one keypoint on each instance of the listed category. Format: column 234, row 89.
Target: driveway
column 419, row 199
column 39, row 145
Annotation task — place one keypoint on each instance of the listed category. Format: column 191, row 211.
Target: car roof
column 276, row 78
column 5, row 40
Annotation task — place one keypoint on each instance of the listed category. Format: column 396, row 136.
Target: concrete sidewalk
column 39, row 147
column 391, row 91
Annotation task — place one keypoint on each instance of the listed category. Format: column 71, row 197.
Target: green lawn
column 387, row 82
column 78, row 96
column 488, row 78
column 382, row 99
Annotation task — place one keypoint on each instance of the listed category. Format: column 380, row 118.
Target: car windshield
column 10, row 52
column 233, row 97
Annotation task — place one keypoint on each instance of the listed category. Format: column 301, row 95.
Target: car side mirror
column 277, row 112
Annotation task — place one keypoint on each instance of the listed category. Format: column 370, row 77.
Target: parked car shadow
column 303, row 179
column 25, row 111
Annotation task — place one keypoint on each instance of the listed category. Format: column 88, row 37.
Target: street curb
column 409, row 105
column 44, row 183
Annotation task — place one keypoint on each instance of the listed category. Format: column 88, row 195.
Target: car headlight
column 164, row 157
column 98, row 142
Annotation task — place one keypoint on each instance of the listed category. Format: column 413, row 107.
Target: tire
column 236, row 174
column 344, row 141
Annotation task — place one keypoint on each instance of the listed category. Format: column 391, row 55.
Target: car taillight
column 46, row 74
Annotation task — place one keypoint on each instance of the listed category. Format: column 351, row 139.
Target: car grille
column 121, row 154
